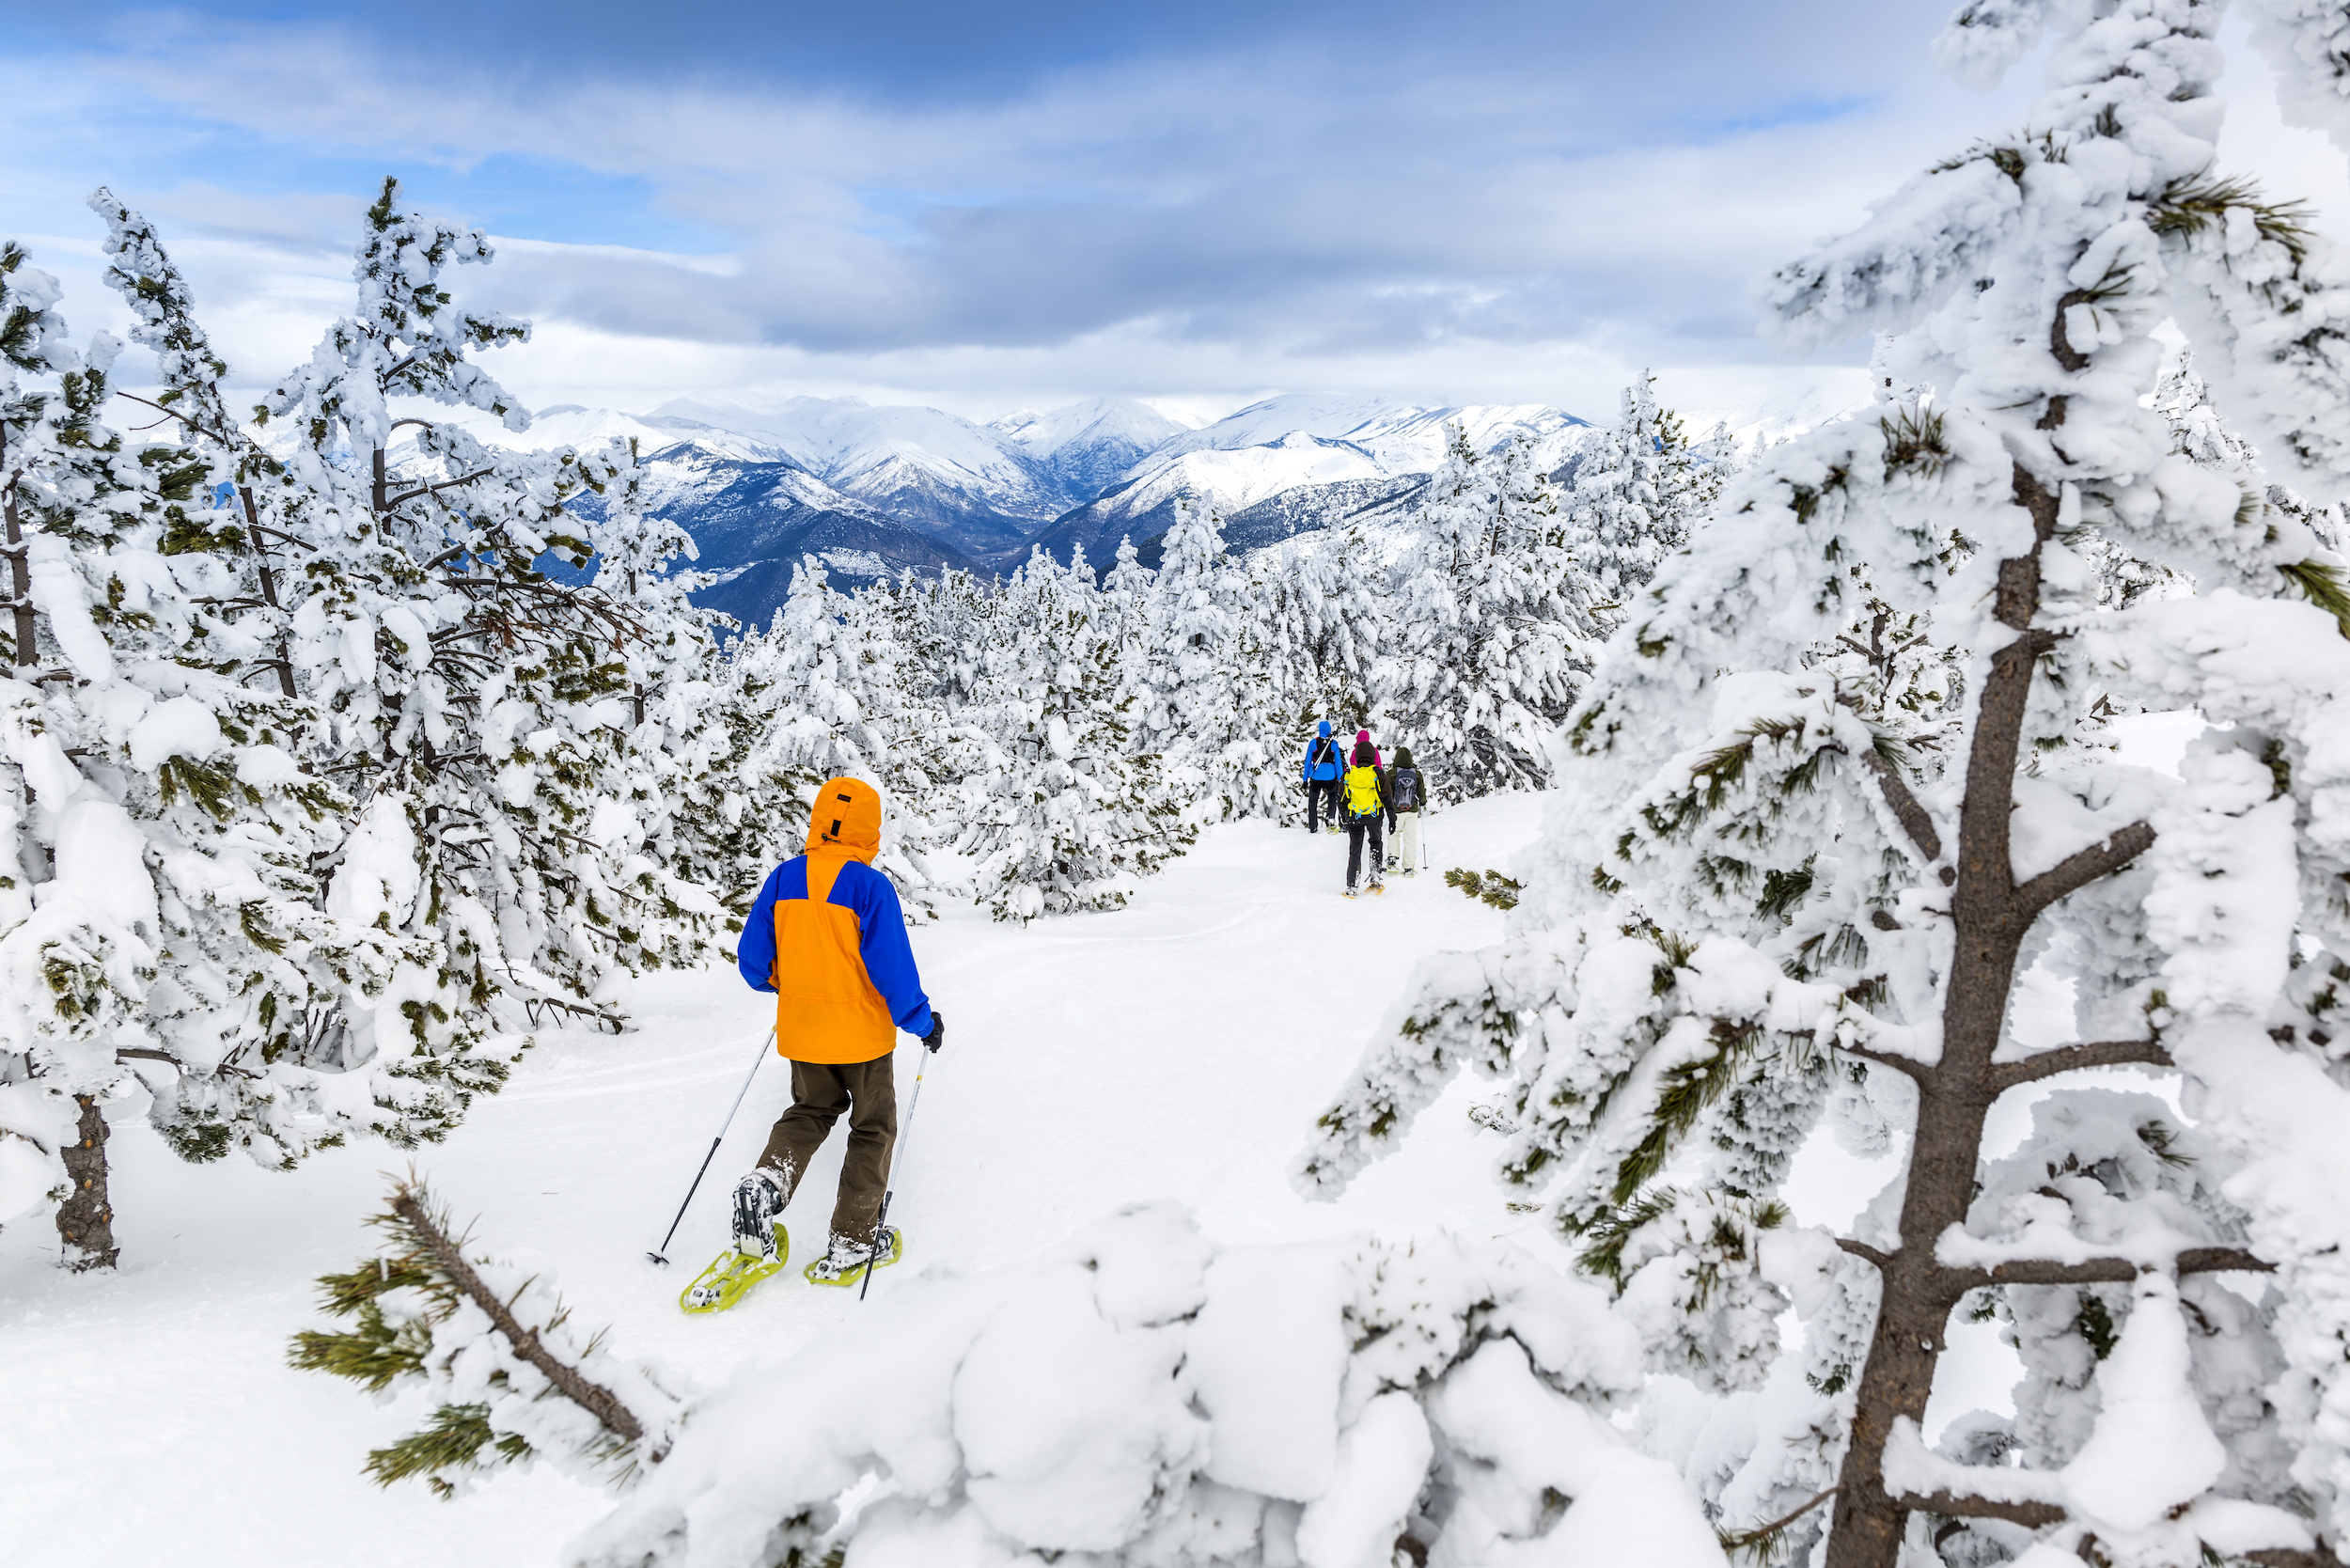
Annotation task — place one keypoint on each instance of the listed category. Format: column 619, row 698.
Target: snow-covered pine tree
column 1490, row 625
column 482, row 708
column 427, row 804
column 1637, row 491
column 1209, row 707
column 1126, row 611
column 510, row 1378
column 1799, row 910
column 1066, row 814
column 1339, row 618
column 839, row 699
column 161, row 921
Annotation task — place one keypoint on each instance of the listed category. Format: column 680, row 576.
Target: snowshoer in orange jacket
column 827, row 938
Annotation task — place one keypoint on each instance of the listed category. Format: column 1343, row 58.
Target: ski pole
column 880, row 1219
column 658, row 1257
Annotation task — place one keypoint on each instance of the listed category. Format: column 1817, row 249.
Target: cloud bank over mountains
column 1025, row 205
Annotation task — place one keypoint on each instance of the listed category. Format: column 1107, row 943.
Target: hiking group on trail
column 826, row 936
column 1369, row 799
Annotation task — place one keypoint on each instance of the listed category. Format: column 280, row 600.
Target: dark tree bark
column 1991, row 913
column 85, row 1220
column 19, row 569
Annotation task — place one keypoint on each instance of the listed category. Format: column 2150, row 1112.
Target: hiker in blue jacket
column 1326, row 763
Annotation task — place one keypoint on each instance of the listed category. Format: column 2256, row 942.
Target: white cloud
column 1200, row 229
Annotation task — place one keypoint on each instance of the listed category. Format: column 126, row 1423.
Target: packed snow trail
column 1178, row 1047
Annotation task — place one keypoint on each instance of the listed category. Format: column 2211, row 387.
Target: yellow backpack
column 1362, row 792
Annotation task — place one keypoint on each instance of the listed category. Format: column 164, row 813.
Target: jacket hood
column 1325, row 727
column 1403, row 757
column 846, row 816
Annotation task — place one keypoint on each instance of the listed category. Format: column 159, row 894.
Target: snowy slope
column 1229, row 478
column 754, row 521
column 1089, row 445
column 920, row 466
column 1178, row 1048
column 1301, row 462
column 1405, row 438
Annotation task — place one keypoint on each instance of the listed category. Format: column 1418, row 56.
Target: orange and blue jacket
column 827, row 938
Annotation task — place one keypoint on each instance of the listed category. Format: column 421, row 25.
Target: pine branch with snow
column 512, row 1379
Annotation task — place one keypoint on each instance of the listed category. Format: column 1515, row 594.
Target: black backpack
column 1404, row 786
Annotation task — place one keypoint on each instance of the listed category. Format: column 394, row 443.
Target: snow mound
column 1143, row 1395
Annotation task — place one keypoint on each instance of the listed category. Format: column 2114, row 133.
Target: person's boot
column 759, row 1198
column 847, row 1257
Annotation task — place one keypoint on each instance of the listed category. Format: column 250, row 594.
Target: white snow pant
column 1407, row 840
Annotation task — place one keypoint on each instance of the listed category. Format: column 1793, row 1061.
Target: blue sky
column 987, row 207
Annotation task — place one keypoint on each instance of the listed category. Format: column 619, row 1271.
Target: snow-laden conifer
column 340, row 766
column 1065, row 814
column 163, row 920
column 1490, row 626
column 1209, row 704
column 836, row 697
column 1639, row 488
column 1784, row 894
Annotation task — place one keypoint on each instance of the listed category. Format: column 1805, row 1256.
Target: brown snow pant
column 819, row 1092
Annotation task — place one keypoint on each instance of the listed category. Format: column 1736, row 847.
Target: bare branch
column 2031, row 1515
column 2079, row 871
column 2285, row 1557
column 1918, row 1070
column 1914, row 818
column 2223, row 1259
column 2099, row 1271
column 2068, row 1059
column 427, row 489
column 1866, row 1253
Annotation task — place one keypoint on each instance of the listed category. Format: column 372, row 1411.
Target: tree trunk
column 1989, row 916
column 19, row 569
column 86, row 1220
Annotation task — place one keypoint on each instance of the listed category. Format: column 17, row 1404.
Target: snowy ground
column 1178, row 1047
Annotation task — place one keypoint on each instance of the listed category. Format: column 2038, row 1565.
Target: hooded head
column 1362, row 737
column 1325, row 727
column 847, row 816
column 1403, row 757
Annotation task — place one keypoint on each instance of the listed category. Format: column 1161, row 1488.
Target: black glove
column 937, row 1036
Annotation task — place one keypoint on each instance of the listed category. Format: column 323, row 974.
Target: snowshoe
column 844, row 1265
column 732, row 1272
column 1378, row 887
column 1349, row 893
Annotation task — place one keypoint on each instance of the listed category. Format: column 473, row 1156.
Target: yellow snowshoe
column 731, row 1274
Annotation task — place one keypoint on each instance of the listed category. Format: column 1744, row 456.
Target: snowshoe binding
column 845, row 1264
column 761, row 1248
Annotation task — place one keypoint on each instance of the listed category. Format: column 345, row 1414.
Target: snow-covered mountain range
column 876, row 489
